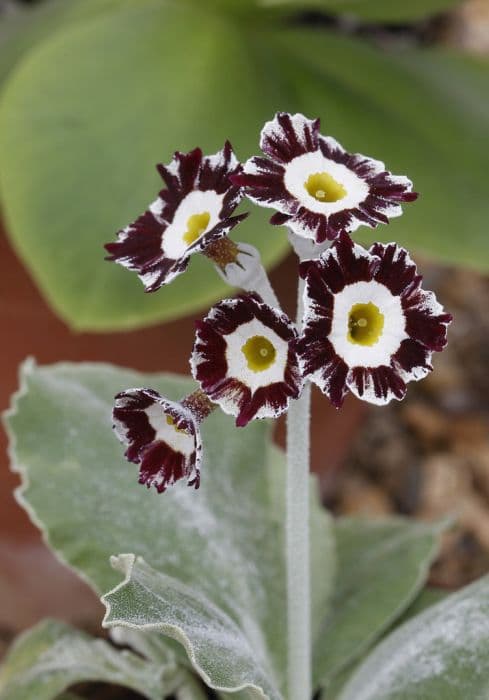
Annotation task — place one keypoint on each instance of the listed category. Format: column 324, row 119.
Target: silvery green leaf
column 441, row 654
column 48, row 659
column 382, row 565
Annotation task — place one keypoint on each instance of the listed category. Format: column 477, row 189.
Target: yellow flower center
column 171, row 421
column 365, row 324
column 259, row 352
column 196, row 225
column 324, row 188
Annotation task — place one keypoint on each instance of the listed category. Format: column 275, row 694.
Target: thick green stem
column 297, row 541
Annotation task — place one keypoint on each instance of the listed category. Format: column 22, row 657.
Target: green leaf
column 425, row 113
column 27, row 27
column 382, row 565
column 150, row 645
column 89, row 113
column 371, row 10
column 441, row 653
column 222, row 543
column 219, row 649
column 52, row 656
column 426, row 598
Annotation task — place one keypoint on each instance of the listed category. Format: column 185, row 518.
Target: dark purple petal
column 412, row 355
column 377, row 384
column 346, row 263
column 396, row 269
column 279, row 219
column 427, row 329
column 180, row 176
column 161, row 466
column 276, row 396
column 288, row 136
column 139, row 244
column 320, row 363
column 264, row 184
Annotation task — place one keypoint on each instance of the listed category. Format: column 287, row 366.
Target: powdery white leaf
column 441, row 653
column 215, row 644
column 382, row 566
column 48, row 659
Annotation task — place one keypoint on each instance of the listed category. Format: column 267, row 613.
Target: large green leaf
column 425, row 599
column 218, row 648
column 223, row 543
column 441, row 653
column 382, row 566
column 370, row 10
column 53, row 656
column 21, row 31
column 89, row 113
column 426, row 113
column 90, row 109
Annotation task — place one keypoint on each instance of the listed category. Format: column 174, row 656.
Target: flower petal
column 287, row 136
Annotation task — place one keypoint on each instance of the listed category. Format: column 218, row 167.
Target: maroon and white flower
column 192, row 213
column 368, row 325
column 318, row 188
column 162, row 436
column 245, row 358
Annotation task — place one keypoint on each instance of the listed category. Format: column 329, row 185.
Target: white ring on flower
column 173, row 244
column 238, row 364
column 178, row 440
column 393, row 332
column 299, row 170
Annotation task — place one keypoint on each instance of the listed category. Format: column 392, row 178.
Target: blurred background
column 93, row 93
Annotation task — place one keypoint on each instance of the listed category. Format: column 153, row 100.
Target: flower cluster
column 367, row 327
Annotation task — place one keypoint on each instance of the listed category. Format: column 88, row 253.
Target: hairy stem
column 297, row 541
column 247, row 272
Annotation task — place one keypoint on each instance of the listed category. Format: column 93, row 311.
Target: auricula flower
column 190, row 216
column 162, row 436
column 368, row 325
column 245, row 358
column 318, row 188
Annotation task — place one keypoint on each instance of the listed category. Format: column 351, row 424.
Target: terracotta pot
column 30, row 328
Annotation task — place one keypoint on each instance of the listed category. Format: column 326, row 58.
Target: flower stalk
column 246, row 272
column 297, row 539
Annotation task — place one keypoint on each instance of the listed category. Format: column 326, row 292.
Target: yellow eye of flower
column 171, row 421
column 196, row 225
column 324, row 187
column 365, row 324
column 259, row 352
